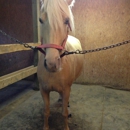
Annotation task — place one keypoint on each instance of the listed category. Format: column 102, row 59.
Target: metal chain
column 16, row 40
column 95, row 50
column 72, row 52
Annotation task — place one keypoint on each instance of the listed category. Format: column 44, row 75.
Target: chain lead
column 95, row 50
column 16, row 40
column 72, row 52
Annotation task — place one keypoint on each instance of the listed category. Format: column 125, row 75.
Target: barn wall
column 16, row 20
column 101, row 23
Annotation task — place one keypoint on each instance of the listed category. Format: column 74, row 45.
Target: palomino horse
column 56, row 73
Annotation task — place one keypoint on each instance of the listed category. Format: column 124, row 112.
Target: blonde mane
column 57, row 10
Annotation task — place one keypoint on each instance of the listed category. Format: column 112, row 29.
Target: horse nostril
column 58, row 62
column 58, row 58
column 52, row 65
column 45, row 63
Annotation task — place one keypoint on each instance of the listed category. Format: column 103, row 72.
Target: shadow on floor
column 93, row 107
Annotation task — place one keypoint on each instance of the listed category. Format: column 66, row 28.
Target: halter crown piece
column 59, row 47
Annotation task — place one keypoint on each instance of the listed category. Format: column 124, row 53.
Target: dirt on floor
column 93, row 107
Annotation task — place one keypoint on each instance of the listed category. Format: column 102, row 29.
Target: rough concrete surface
column 93, row 108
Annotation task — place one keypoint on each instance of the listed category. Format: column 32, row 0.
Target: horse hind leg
column 69, row 112
column 58, row 103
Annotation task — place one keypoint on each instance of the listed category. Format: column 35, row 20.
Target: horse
column 56, row 73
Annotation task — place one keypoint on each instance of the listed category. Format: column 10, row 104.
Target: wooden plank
column 7, row 48
column 36, row 23
column 16, row 76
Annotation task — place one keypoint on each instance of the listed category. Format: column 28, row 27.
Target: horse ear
column 41, row 3
column 70, row 2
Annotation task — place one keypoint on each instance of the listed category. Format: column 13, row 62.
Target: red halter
column 58, row 47
column 44, row 46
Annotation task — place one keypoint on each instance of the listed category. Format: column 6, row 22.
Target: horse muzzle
column 52, row 65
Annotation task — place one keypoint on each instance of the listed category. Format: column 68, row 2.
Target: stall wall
column 101, row 23
column 16, row 20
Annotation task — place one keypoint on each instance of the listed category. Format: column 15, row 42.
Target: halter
column 58, row 47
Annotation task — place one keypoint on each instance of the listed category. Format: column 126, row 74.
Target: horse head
column 56, row 21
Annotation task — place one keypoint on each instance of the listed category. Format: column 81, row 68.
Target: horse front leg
column 46, row 100
column 66, row 95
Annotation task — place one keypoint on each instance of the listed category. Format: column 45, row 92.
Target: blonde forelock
column 56, row 10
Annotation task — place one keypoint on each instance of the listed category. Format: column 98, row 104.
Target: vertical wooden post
column 36, row 36
column 36, row 27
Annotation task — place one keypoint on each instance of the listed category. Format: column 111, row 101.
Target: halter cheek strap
column 58, row 47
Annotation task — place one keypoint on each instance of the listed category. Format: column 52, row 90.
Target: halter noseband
column 59, row 47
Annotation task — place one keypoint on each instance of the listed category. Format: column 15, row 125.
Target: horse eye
column 67, row 21
column 41, row 21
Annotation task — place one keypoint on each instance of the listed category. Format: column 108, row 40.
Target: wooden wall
column 16, row 20
column 101, row 23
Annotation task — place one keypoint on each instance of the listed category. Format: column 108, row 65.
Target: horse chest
column 52, row 82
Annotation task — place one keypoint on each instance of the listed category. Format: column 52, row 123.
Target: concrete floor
column 93, row 107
